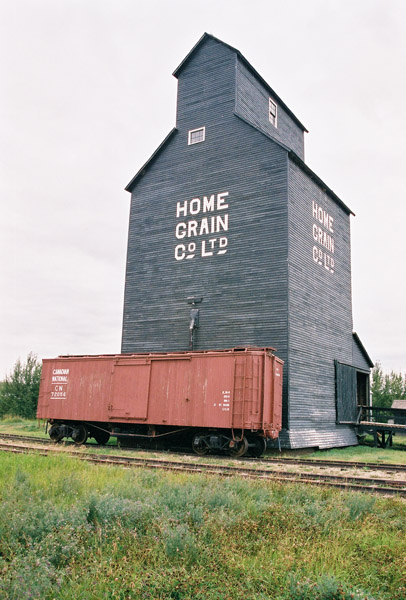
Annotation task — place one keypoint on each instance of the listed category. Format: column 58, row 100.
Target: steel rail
column 382, row 486
column 340, row 463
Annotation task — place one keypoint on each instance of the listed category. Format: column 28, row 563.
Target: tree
column 19, row 391
column 387, row 387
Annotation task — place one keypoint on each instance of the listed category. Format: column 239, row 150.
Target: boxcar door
column 130, row 390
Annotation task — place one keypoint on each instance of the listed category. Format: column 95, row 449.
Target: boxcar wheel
column 257, row 446
column 79, row 434
column 102, row 437
column 198, row 445
column 240, row 448
column 55, row 434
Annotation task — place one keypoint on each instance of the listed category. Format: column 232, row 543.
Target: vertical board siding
column 346, row 389
column 320, row 312
column 252, row 103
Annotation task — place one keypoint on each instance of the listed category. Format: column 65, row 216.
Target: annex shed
column 399, row 404
column 227, row 219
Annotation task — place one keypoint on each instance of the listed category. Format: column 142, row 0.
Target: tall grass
column 72, row 530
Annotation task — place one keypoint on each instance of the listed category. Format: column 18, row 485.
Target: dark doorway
column 352, row 390
column 362, row 389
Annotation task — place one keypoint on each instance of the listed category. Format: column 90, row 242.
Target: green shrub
column 108, row 509
column 19, row 391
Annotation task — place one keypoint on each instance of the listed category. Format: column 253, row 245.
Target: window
column 196, row 135
column 273, row 112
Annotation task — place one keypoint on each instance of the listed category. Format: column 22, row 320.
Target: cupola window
column 273, row 112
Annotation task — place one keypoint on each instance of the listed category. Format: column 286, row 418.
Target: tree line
column 387, row 387
column 19, row 390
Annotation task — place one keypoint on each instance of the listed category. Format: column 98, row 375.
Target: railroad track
column 349, row 482
column 342, row 464
column 267, row 460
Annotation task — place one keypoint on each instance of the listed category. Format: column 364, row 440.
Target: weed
column 326, row 588
column 107, row 510
column 92, row 516
column 359, row 505
column 28, row 578
column 180, row 543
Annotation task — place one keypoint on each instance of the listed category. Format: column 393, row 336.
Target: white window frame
column 189, row 138
column 273, row 118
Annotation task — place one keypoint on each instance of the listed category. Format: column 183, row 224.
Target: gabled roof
column 297, row 160
column 362, row 349
column 149, row 162
column 208, row 36
column 293, row 156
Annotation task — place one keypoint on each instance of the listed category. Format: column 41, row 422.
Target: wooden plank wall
column 252, row 103
column 320, row 308
column 244, row 290
column 266, row 289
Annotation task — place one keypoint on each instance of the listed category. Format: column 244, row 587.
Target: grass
column 18, row 425
column 366, row 452
column 73, row 530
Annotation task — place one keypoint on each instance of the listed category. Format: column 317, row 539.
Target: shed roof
column 207, row 36
column 362, row 349
column 399, row 404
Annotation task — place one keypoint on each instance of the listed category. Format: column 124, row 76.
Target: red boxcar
column 222, row 400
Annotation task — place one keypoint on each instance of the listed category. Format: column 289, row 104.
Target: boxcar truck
column 223, row 401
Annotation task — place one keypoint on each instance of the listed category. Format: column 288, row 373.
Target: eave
column 151, row 159
column 242, row 58
column 362, row 348
column 302, row 165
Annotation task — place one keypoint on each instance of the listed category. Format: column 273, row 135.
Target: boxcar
column 226, row 400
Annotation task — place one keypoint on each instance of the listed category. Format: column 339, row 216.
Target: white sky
column 86, row 96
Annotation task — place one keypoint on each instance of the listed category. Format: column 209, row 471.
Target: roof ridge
column 296, row 158
column 206, row 36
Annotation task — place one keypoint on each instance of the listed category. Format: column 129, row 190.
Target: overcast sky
column 87, row 95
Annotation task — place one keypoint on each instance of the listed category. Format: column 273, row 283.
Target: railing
column 380, row 414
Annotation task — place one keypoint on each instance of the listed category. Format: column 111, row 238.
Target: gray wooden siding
column 320, row 311
column 245, row 289
column 252, row 103
column 346, row 393
column 206, row 88
column 358, row 358
column 266, row 289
